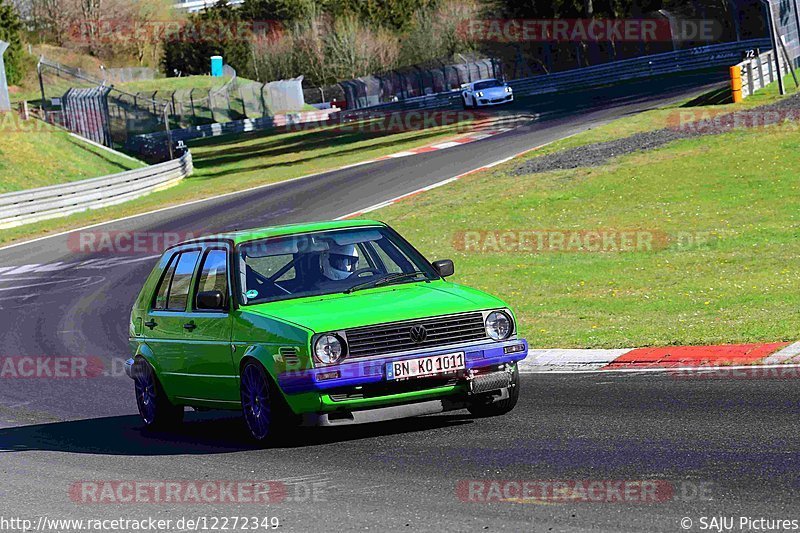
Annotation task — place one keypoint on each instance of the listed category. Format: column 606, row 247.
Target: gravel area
column 596, row 154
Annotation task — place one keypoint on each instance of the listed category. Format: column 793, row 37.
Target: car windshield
column 326, row 262
column 479, row 86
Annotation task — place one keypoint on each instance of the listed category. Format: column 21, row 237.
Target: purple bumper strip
column 374, row 370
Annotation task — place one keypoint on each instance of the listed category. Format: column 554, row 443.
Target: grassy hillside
column 30, row 159
column 174, row 84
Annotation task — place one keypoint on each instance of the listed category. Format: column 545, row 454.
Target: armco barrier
column 638, row 68
column 689, row 60
column 759, row 71
column 33, row 205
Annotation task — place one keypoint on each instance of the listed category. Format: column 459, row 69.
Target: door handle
column 189, row 326
column 151, row 323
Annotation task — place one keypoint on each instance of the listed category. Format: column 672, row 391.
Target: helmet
column 339, row 261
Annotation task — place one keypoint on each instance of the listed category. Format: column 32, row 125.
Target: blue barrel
column 216, row 66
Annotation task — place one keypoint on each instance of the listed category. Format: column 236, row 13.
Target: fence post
column 797, row 25
column 773, row 33
column 211, row 107
column 169, row 133
column 760, row 64
column 264, row 110
column 771, row 67
column 5, row 101
column 41, row 84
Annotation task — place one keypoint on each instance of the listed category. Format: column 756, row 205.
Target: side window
column 214, row 273
column 181, row 281
column 160, row 302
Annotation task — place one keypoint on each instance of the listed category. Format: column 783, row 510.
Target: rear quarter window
column 172, row 293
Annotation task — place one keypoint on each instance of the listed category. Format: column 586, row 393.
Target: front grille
column 396, row 336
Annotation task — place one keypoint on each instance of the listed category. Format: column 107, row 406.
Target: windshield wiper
column 388, row 278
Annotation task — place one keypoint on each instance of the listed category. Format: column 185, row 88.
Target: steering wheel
column 364, row 270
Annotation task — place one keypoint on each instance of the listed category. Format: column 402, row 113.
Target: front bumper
column 373, row 371
column 495, row 101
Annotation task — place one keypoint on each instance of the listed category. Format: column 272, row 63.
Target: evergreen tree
column 10, row 28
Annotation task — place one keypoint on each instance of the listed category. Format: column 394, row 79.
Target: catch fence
column 128, row 114
column 416, row 81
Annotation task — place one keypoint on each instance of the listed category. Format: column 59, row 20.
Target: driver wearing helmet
column 338, row 262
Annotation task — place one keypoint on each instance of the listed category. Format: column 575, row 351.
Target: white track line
column 443, row 146
column 387, row 203
column 58, row 266
column 786, row 354
column 692, row 369
column 567, row 359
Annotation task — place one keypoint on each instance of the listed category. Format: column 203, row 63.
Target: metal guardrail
column 760, row 71
column 689, row 60
column 33, row 205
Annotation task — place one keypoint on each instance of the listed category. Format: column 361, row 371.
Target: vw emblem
column 418, row 334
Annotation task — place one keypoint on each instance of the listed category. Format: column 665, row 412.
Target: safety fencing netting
column 133, row 113
column 416, row 81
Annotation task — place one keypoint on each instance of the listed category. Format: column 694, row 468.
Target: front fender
column 304, row 402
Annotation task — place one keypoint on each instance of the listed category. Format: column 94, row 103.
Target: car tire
column 464, row 101
column 258, row 402
column 482, row 406
column 155, row 409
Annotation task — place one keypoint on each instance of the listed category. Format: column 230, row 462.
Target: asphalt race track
column 726, row 447
column 719, row 447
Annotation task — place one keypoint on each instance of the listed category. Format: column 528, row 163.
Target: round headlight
column 498, row 325
column 328, row 349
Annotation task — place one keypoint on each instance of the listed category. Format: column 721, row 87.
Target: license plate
column 425, row 366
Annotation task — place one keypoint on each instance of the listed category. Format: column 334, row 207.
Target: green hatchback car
column 327, row 323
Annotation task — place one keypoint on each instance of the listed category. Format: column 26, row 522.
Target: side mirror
column 444, row 267
column 211, row 300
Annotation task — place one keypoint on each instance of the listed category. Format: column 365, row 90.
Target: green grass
column 742, row 188
column 30, row 159
column 174, row 84
column 280, row 155
column 228, row 164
